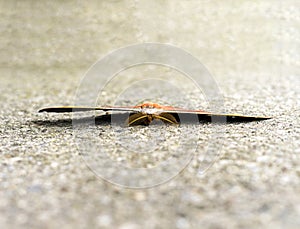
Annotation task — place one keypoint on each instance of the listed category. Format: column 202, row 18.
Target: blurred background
column 229, row 38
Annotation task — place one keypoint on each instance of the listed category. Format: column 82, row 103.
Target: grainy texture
column 251, row 48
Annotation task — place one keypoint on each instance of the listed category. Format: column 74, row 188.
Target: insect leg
column 166, row 118
column 137, row 118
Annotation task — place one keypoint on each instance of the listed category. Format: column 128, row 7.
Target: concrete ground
column 47, row 180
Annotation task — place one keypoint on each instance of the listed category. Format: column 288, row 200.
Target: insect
column 145, row 113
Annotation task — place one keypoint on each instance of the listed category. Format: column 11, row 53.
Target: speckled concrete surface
column 47, row 47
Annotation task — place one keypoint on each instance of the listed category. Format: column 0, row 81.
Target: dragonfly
column 145, row 113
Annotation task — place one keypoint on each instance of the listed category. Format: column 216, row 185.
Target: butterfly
column 144, row 114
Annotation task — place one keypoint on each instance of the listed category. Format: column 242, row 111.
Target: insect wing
column 65, row 109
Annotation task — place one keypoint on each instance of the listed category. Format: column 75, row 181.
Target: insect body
column 147, row 112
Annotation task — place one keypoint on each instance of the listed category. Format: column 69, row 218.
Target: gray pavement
column 48, row 181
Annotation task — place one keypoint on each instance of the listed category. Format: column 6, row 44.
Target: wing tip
column 42, row 110
column 264, row 117
column 56, row 109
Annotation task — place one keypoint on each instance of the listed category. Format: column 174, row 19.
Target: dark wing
column 233, row 117
column 184, row 114
column 63, row 109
